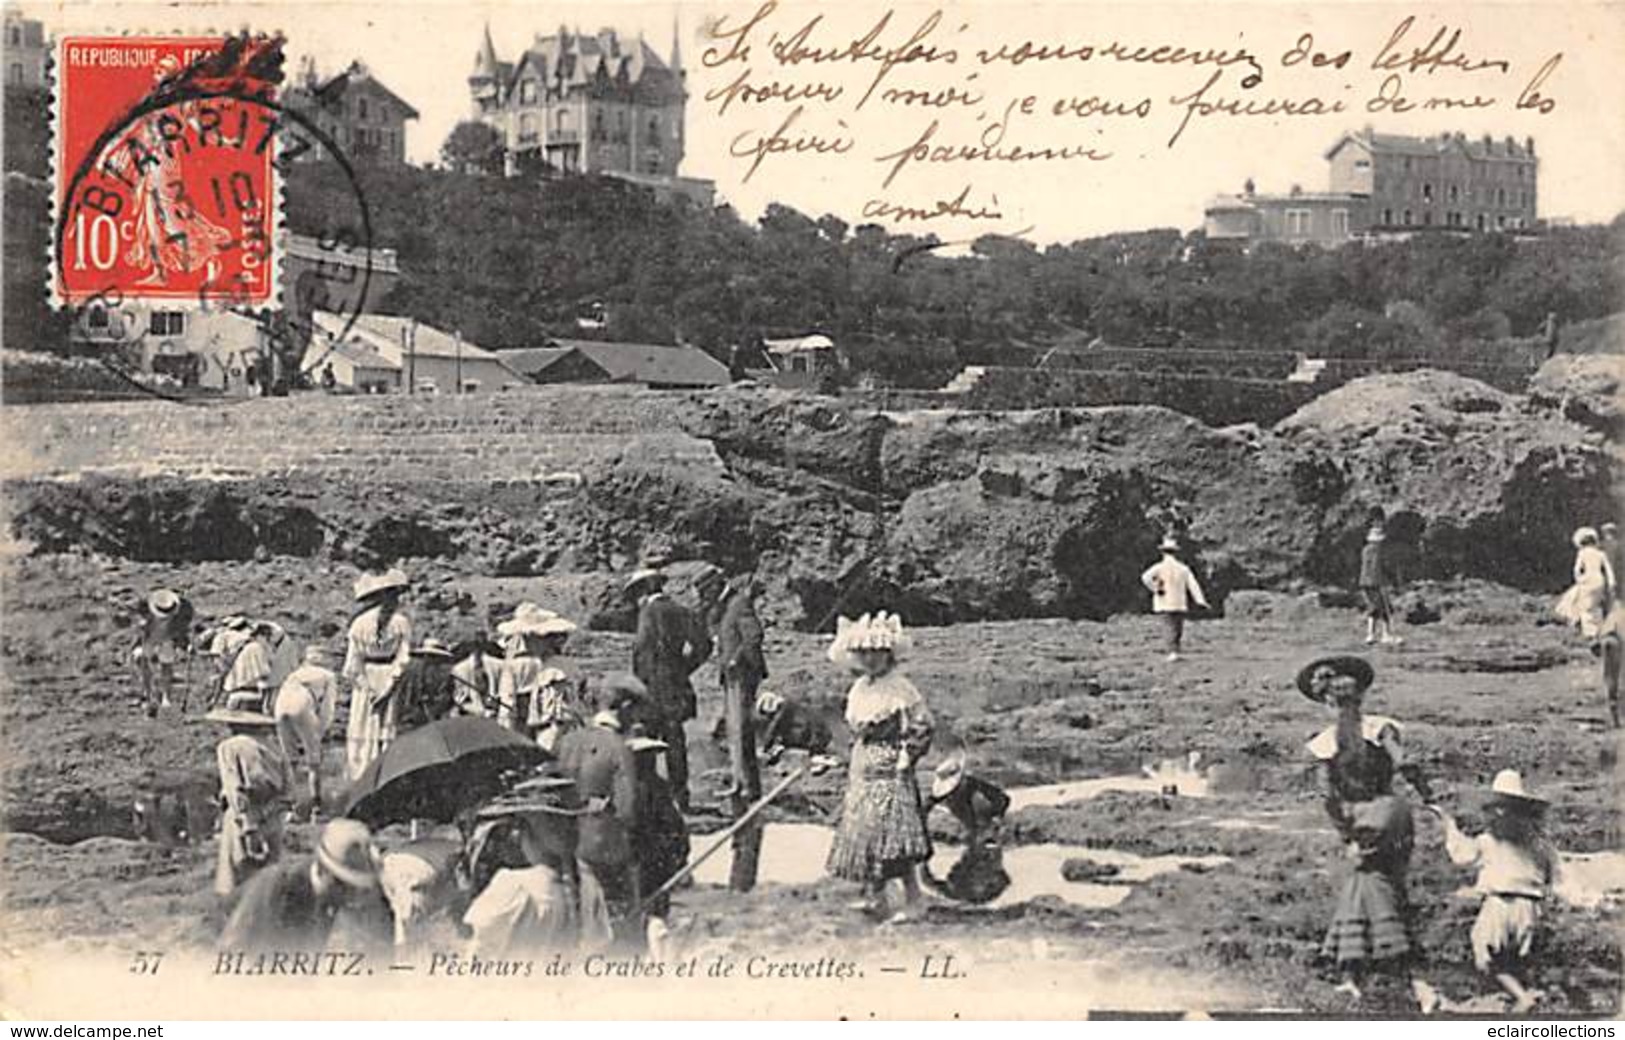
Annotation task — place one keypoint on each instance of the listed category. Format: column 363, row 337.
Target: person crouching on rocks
column 254, row 787
column 881, row 837
column 1517, row 867
column 1173, row 589
column 303, row 709
column 1372, row 926
column 165, row 639
column 294, row 905
column 979, row 805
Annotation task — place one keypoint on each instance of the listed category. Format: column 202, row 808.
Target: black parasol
column 436, row 771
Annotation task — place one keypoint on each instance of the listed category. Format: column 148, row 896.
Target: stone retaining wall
column 521, row 435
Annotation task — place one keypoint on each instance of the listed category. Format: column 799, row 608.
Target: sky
column 424, row 49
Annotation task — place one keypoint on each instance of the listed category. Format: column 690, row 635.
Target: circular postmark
column 176, row 200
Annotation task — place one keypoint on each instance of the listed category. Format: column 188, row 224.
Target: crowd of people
column 584, row 852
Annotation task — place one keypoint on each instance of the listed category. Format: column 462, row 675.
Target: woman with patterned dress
column 1372, row 926
column 380, row 644
column 882, row 834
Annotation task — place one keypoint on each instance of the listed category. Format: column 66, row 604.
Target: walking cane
column 722, row 839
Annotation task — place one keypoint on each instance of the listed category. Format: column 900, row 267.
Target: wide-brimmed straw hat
column 640, row 744
column 373, row 584
column 235, row 621
column 949, row 774
column 163, row 602
column 768, row 702
column 239, row 717
column 641, row 579
column 1169, row 543
column 549, row 793
column 431, row 648
column 1356, row 668
column 1508, row 788
column 317, row 654
column 345, row 850
column 1584, row 536
column 1376, row 534
column 530, row 619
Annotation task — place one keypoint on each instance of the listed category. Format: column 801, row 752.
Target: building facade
column 585, row 103
column 377, row 353
column 1386, row 184
column 364, row 118
column 25, row 51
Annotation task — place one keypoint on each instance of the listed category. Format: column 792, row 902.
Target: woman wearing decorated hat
column 380, row 644
column 881, row 837
column 1587, row 601
column 535, row 696
column 1372, row 926
column 521, row 862
column 1517, row 867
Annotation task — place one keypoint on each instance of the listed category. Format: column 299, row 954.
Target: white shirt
column 1173, row 587
column 1503, row 868
column 308, row 686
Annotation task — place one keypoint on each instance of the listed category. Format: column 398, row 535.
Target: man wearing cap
column 605, row 773
column 304, row 708
column 166, row 635
column 743, row 667
column 1173, row 589
column 292, row 906
column 253, row 792
column 671, row 643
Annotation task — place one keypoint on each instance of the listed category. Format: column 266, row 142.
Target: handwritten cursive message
column 944, row 114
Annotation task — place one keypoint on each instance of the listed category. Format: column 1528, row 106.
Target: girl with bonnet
column 881, row 836
column 1371, row 927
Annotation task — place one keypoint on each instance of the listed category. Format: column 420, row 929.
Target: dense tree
column 473, row 147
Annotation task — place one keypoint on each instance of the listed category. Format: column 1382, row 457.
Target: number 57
column 146, row 962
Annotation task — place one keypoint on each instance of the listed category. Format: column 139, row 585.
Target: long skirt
column 1504, row 932
column 368, row 731
column 1372, row 921
column 882, row 830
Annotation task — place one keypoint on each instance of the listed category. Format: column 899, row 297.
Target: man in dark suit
column 672, row 642
column 743, row 667
column 597, row 758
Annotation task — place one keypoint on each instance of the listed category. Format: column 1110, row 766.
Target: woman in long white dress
column 379, row 646
column 1587, row 600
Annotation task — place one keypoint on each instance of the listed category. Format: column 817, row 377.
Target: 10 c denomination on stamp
column 164, row 177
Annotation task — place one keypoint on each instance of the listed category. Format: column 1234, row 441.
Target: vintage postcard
column 789, row 509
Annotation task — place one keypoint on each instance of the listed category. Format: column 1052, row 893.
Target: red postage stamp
column 164, row 177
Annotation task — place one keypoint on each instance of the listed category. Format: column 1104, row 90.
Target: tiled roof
column 649, row 363
column 430, row 342
column 1400, row 144
column 531, row 360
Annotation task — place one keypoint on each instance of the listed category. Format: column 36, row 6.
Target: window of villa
column 166, row 323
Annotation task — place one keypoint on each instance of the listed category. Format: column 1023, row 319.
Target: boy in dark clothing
column 165, row 639
column 1373, row 588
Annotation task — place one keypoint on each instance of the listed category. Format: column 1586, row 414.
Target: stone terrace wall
column 1215, row 400
column 520, row 435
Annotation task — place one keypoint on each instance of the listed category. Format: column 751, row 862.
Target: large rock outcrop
column 947, row 515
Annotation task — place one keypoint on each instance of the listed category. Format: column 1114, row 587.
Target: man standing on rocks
column 671, row 644
column 743, row 667
column 1379, row 611
column 1173, row 589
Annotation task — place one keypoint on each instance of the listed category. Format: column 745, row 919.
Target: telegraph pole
column 459, row 335
column 411, row 335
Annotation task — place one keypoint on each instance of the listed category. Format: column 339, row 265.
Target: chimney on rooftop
column 1297, row 189
column 1529, row 146
column 1248, row 188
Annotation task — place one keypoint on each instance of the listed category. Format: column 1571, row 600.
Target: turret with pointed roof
column 578, row 101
